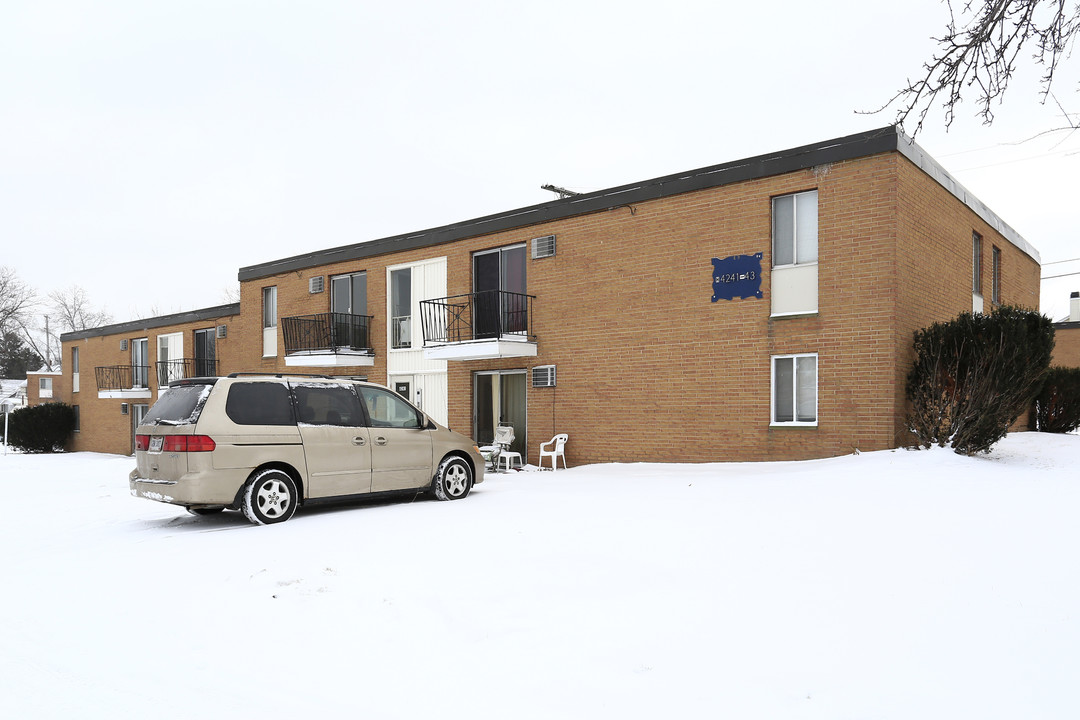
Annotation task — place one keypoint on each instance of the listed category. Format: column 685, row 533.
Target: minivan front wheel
column 454, row 479
column 270, row 497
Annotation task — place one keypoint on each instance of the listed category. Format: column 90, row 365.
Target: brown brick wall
column 33, row 388
column 649, row 369
column 935, row 269
column 1067, row 345
column 103, row 427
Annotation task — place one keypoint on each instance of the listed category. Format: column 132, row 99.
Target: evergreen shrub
column 1057, row 406
column 975, row 375
column 41, row 428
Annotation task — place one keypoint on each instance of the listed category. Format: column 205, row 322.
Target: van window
column 179, row 405
column 327, row 405
column 387, row 409
column 259, row 403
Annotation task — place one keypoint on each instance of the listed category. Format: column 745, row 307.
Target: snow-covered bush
column 41, row 428
column 1057, row 406
column 975, row 375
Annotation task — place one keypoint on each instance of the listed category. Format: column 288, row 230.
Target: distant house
column 12, row 395
column 1067, row 336
column 761, row 309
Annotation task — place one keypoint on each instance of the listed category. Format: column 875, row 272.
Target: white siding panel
column 795, row 290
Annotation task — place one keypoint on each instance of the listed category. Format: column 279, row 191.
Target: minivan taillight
column 142, row 442
column 188, row 443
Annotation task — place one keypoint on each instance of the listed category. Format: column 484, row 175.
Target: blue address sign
column 737, row 276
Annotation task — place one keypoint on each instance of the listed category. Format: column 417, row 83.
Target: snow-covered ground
column 887, row 585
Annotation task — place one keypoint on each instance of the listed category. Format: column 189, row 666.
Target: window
column 794, row 389
column 74, row 369
column 269, row 313
column 78, row 421
column 181, row 405
column 995, row 290
column 322, row 405
column 976, row 263
column 387, row 409
column 794, row 278
column 269, row 321
column 499, row 285
column 205, row 353
column 140, row 363
column 795, row 229
column 259, row 403
column 401, row 308
column 45, row 388
column 349, row 294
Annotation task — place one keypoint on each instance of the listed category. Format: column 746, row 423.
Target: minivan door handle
column 359, row 441
column 380, row 440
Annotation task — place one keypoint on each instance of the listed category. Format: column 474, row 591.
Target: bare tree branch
column 981, row 54
column 73, row 311
column 17, row 299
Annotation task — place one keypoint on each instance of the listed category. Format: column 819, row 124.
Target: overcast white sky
column 148, row 150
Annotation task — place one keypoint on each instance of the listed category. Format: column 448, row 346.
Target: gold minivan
column 266, row 444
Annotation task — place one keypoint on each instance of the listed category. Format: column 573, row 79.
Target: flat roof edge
column 885, row 139
column 849, row 147
column 919, row 157
column 210, row 313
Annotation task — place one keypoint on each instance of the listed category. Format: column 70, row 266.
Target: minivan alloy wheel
column 270, row 497
column 453, row 479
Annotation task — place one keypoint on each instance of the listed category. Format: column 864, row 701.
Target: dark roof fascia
column 1067, row 325
column 211, row 313
column 863, row 144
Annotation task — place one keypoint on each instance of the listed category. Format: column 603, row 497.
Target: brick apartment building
column 756, row 310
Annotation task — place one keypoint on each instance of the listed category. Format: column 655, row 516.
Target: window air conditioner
column 316, row 284
column 543, row 247
column 222, row 331
column 543, row 376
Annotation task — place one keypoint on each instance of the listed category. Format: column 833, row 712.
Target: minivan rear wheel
column 270, row 497
column 454, row 479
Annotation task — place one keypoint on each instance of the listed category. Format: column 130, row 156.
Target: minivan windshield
column 179, row 405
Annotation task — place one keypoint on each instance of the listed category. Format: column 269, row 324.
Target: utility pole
column 48, row 342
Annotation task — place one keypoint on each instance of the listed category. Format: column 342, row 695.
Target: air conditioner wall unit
column 543, row 376
column 543, row 247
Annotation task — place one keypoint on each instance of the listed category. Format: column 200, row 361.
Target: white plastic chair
column 499, row 448
column 554, row 448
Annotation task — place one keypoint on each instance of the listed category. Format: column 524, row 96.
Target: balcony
column 123, row 381
column 478, row 326
column 328, row 340
column 169, row 370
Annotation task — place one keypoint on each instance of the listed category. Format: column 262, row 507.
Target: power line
column 1051, row 277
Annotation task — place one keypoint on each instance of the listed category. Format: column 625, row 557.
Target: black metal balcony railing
column 327, row 332
column 122, row 377
column 487, row 315
column 169, row 370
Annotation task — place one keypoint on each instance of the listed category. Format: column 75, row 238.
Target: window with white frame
column 269, row 320
column 795, row 229
column 401, row 308
column 795, row 253
column 794, row 389
column 44, row 388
